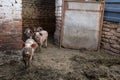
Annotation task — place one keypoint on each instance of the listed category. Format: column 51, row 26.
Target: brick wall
column 15, row 15
column 39, row 13
column 10, row 24
column 111, row 37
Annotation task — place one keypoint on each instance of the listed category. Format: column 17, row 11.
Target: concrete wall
column 58, row 14
column 111, row 37
column 10, row 24
column 39, row 13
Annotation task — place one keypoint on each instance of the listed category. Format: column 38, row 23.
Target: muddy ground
column 61, row 64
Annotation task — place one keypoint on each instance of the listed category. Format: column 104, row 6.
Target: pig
column 41, row 38
column 36, row 29
column 28, row 33
column 28, row 51
column 39, row 29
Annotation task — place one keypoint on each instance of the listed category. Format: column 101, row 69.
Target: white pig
column 41, row 38
column 28, row 51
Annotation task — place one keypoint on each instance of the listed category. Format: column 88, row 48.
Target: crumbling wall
column 58, row 14
column 111, row 37
column 10, row 24
column 39, row 13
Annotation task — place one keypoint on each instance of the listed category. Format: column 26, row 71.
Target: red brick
column 18, row 24
column 17, row 19
column 10, row 46
column 19, row 29
column 10, row 38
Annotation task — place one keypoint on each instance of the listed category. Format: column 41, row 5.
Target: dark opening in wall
column 37, row 13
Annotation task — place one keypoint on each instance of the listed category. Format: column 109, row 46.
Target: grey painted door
column 82, row 25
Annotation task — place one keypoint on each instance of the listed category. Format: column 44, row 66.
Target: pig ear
column 34, row 45
column 41, row 34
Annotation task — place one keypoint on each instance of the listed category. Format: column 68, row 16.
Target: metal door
column 81, row 25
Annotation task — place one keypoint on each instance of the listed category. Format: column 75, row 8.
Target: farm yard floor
column 61, row 64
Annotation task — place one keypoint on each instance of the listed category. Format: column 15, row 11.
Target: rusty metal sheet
column 81, row 28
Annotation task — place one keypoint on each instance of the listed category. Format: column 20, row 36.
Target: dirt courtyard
column 54, row 63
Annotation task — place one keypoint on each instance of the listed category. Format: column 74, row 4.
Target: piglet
column 28, row 51
column 41, row 38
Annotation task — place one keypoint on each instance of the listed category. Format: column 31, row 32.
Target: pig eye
column 41, row 34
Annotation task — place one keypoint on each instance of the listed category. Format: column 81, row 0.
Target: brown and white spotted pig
column 28, row 33
column 41, row 38
column 28, row 51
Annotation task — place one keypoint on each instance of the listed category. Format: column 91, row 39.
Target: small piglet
column 41, row 38
column 28, row 51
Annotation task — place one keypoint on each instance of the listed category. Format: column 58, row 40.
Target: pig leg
column 46, row 43
column 31, row 57
column 25, row 60
column 32, row 54
column 29, row 62
column 40, row 47
column 25, row 63
column 37, row 49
